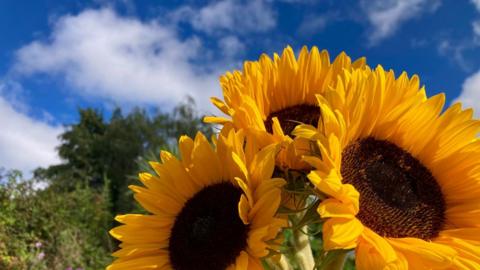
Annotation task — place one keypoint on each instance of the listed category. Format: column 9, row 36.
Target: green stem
column 280, row 264
column 303, row 251
column 283, row 264
column 338, row 262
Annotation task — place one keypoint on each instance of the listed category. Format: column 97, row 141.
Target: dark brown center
column 208, row 233
column 399, row 197
column 290, row 117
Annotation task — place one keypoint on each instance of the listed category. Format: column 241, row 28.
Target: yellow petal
column 421, row 253
column 243, row 209
column 335, row 208
column 341, row 233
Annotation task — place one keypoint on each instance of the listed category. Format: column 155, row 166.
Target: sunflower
column 270, row 97
column 213, row 209
column 403, row 178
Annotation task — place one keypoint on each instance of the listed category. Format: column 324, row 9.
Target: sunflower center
column 208, row 232
column 399, row 197
column 290, row 117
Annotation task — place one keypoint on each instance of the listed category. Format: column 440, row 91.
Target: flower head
column 212, row 209
column 269, row 97
column 41, row 255
column 402, row 177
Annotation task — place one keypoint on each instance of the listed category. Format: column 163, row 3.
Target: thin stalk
column 283, row 263
column 280, row 264
column 303, row 250
column 338, row 262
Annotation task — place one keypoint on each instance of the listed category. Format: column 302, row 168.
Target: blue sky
column 58, row 56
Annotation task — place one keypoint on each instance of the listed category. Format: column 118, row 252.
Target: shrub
column 45, row 229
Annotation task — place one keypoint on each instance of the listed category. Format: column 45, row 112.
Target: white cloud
column 101, row 54
column 476, row 29
column 477, row 4
column 419, row 43
column 297, row 1
column 470, row 95
column 229, row 15
column 458, row 50
column 13, row 92
column 231, row 46
column 315, row 23
column 386, row 16
column 26, row 143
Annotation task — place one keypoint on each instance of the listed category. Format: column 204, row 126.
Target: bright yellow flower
column 270, row 97
column 403, row 177
column 213, row 209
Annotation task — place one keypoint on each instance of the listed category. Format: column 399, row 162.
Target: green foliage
column 94, row 149
column 44, row 229
column 66, row 223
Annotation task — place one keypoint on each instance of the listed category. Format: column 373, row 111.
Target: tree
column 93, row 149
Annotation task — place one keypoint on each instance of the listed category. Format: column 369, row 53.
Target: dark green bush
column 44, row 229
